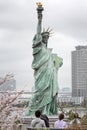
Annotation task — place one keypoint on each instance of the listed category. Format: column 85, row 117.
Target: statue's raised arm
column 39, row 13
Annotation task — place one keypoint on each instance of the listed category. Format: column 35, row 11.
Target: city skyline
column 18, row 24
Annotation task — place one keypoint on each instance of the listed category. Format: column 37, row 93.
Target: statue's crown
column 47, row 32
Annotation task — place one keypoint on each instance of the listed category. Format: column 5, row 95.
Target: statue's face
column 45, row 39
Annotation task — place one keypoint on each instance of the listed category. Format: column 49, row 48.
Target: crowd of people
column 42, row 121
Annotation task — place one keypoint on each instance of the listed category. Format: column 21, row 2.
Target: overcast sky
column 18, row 21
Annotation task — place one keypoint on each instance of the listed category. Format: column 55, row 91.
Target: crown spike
column 52, row 33
column 48, row 29
column 43, row 29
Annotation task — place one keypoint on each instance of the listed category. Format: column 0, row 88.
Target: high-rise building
column 79, row 71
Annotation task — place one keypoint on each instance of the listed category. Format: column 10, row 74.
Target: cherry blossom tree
column 9, row 115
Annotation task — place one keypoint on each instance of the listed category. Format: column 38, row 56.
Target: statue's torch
column 39, row 9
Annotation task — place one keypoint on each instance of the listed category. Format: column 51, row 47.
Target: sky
column 18, row 22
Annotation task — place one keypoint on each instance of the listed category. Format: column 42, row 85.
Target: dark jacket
column 46, row 119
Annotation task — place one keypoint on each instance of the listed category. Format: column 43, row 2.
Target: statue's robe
column 45, row 65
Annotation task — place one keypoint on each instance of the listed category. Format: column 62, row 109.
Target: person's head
column 76, row 115
column 38, row 113
column 45, row 37
column 61, row 116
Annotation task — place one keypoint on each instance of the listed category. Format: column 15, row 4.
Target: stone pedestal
column 26, row 121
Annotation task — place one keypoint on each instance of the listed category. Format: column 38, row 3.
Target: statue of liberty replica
column 45, row 66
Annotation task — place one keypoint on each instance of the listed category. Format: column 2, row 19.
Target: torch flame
column 39, row 4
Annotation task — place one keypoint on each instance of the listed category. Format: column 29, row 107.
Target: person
column 45, row 66
column 76, row 120
column 60, row 123
column 38, row 122
column 46, row 119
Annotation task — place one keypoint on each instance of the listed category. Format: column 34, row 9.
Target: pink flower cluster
column 9, row 115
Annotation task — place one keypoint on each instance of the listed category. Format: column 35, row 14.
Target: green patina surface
column 45, row 65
